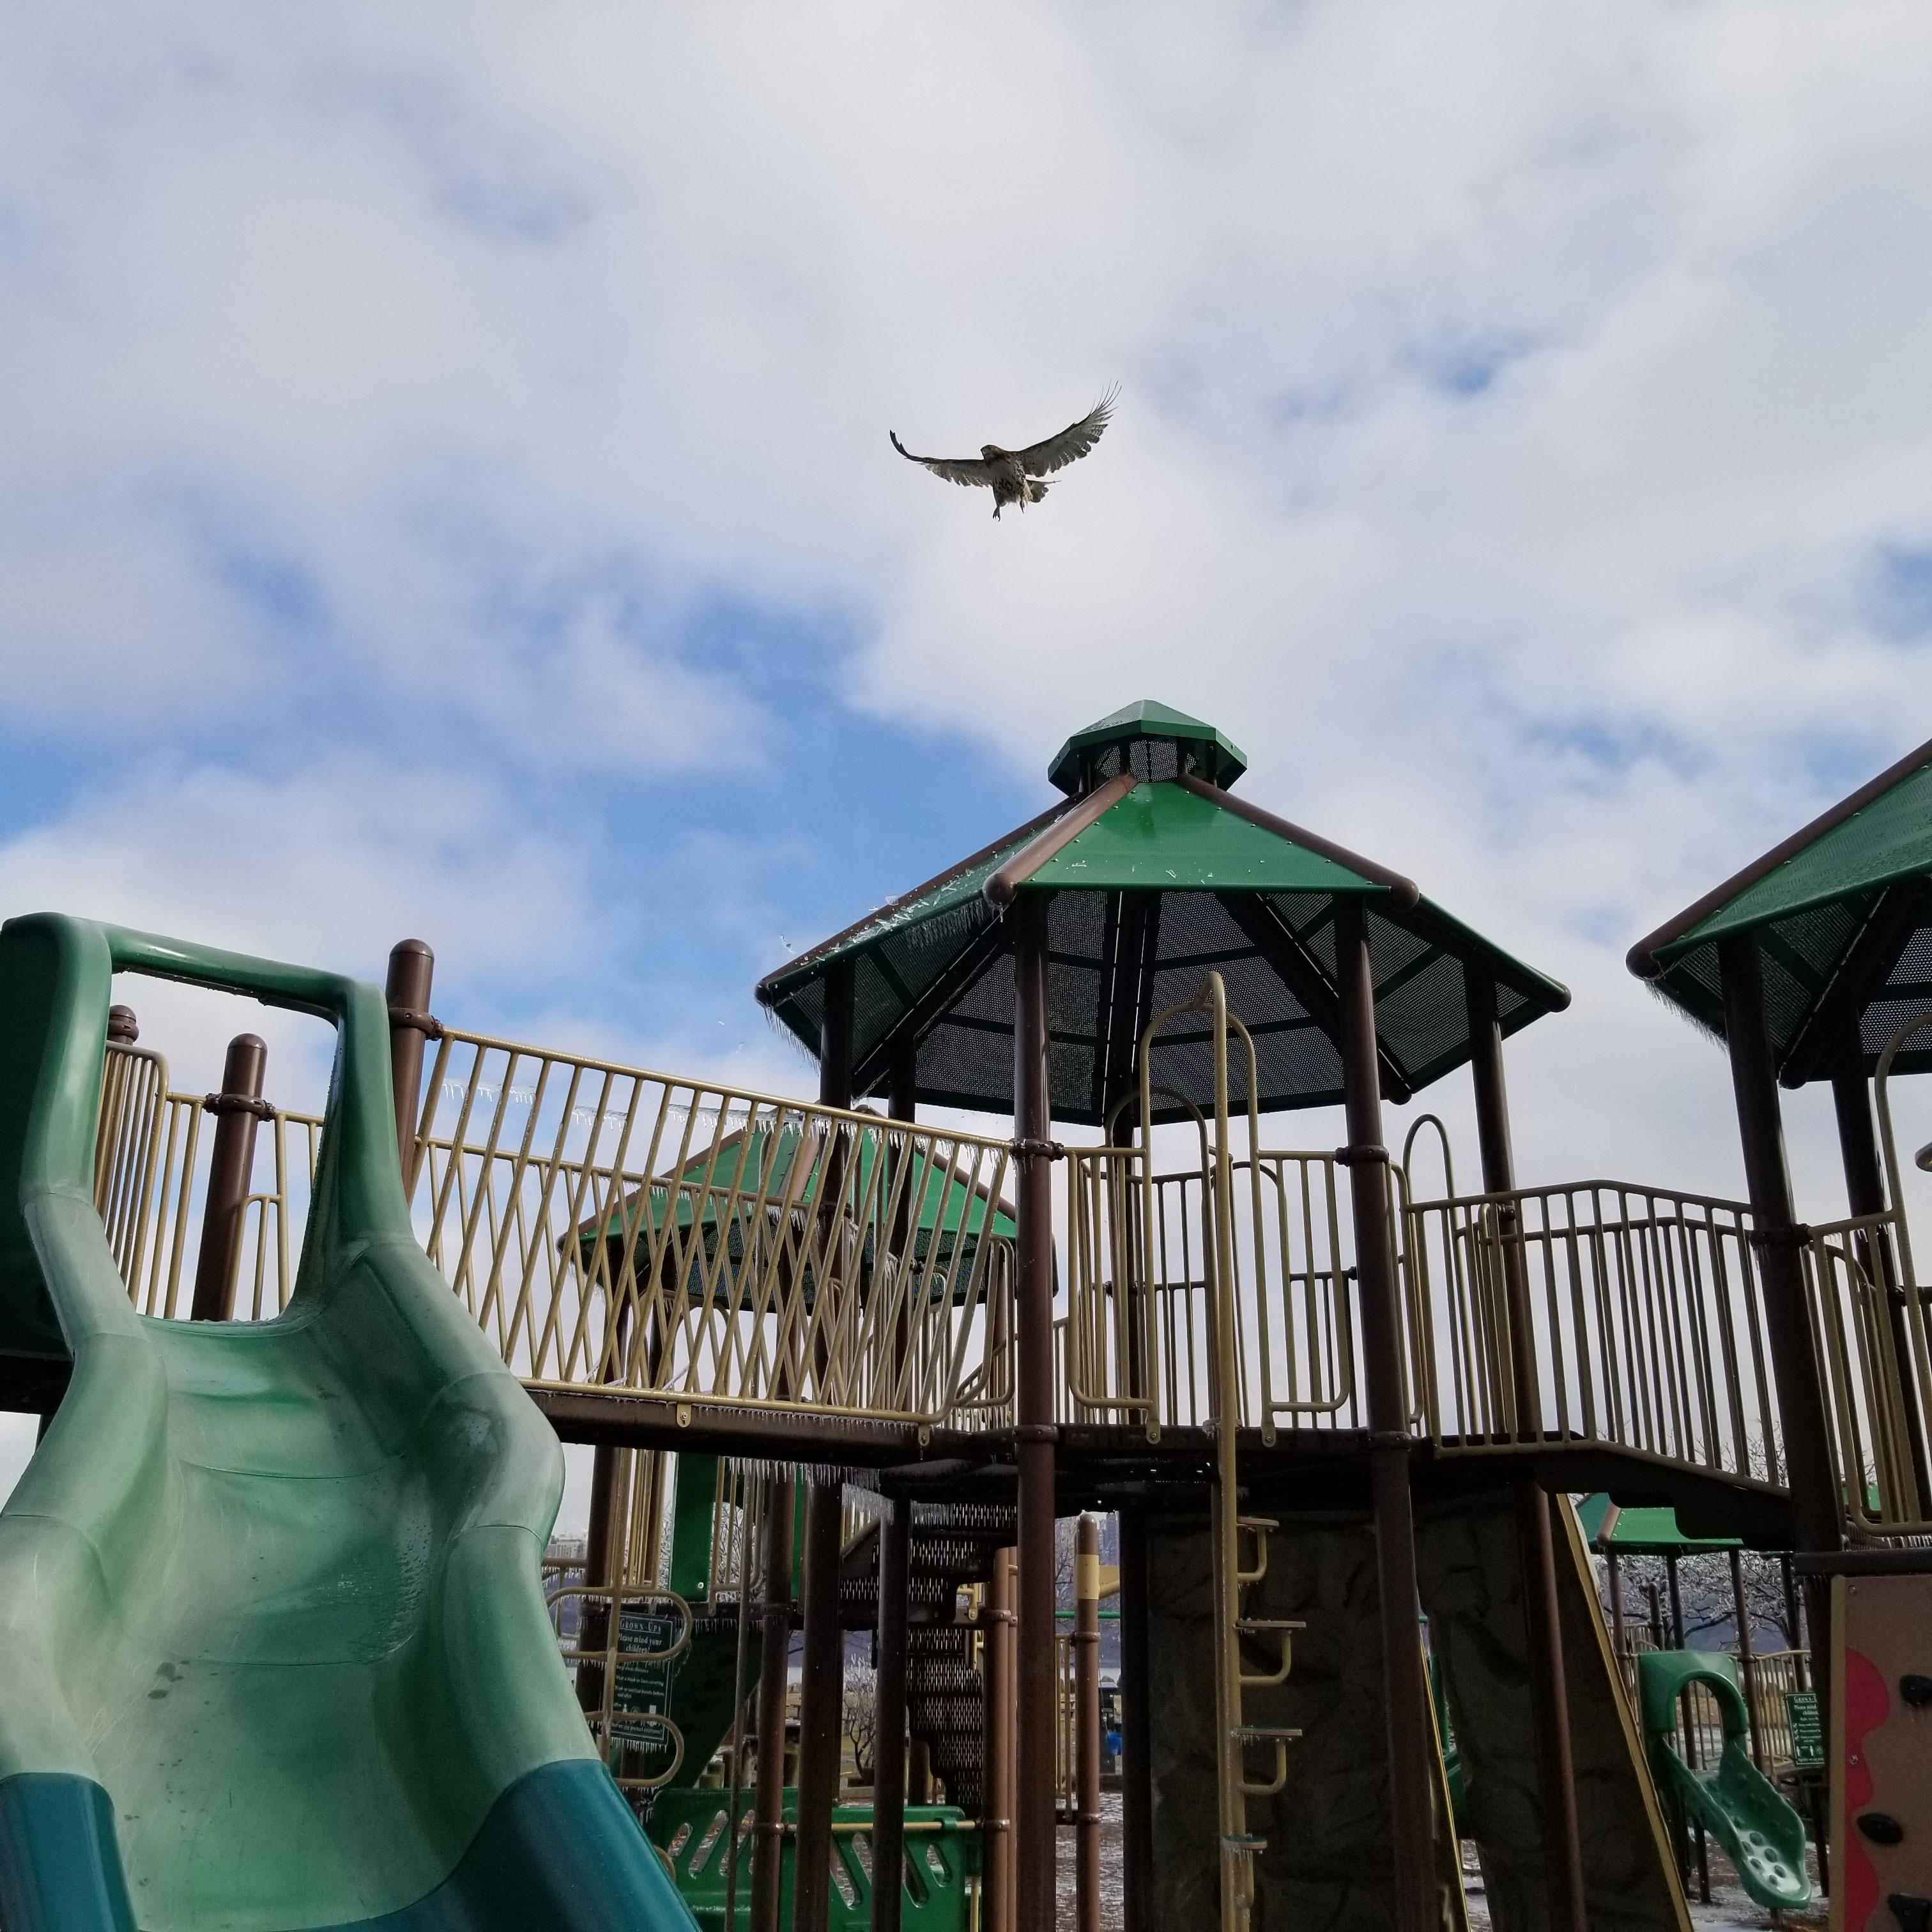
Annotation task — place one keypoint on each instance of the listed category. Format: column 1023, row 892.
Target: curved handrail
column 1881, row 1088
column 1448, row 1159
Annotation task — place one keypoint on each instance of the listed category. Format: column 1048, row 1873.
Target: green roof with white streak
column 1153, row 875
column 1842, row 913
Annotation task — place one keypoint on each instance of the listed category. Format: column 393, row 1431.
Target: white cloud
column 1521, row 407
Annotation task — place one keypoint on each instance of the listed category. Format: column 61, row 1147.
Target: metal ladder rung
column 1250, row 1734
column 1269, row 1623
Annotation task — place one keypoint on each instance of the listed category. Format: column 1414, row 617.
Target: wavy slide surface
column 1736, row 1803
column 275, row 1652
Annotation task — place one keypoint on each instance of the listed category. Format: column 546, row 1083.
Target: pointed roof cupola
column 1153, row 872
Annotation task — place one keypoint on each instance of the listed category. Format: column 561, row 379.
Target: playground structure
column 1319, row 1391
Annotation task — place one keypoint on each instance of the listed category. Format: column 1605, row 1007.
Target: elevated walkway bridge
column 671, row 1263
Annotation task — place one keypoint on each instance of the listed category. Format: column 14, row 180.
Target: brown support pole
column 822, row 1675
column 888, row 1727
column 411, row 969
column 891, row 1648
column 1864, row 1193
column 1405, row 1696
column 236, row 1109
column 593, row 1616
column 996, row 1822
column 1087, row 1724
column 1794, row 1621
column 821, row 1690
column 735, row 1785
column 774, row 1670
column 1690, row 1729
column 1616, row 1606
column 1816, row 1512
column 1136, row 1729
column 1034, row 1806
column 1801, row 1399
column 1858, row 1140
column 1556, row 1782
column 1747, row 1664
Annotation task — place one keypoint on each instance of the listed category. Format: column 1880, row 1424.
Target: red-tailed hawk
column 1011, row 474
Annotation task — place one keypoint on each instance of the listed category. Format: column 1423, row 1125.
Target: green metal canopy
column 1153, row 874
column 1842, row 913
column 1647, row 1532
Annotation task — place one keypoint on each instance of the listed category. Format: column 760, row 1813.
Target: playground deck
column 742, row 1311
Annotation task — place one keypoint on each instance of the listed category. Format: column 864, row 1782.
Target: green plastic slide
column 1736, row 1803
column 274, row 1653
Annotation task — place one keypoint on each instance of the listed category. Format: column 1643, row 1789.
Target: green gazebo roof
column 753, row 1167
column 749, row 1171
column 1152, row 881
column 1843, row 912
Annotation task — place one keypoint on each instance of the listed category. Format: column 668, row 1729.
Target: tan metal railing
column 1872, row 1319
column 610, row 1226
column 1138, row 1336
column 732, row 1497
column 1776, row 1674
column 150, row 1184
column 1649, row 1320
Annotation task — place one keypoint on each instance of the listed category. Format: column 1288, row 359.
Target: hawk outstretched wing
column 1042, row 459
column 968, row 469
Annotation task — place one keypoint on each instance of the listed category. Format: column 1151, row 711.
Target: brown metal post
column 1816, row 1509
column 1747, row 1663
column 1794, row 1621
column 892, row 1647
column 593, row 1616
column 1562, row 1835
column 774, row 1671
column 821, row 1692
column 1405, row 1695
column 1864, row 1194
column 1858, row 1140
column 889, row 1711
column 822, row 1674
column 1616, row 1605
column 1034, row 1805
column 1691, row 1754
column 1087, row 1724
column 735, row 1784
column 122, row 1028
column 1801, row 1399
column 1136, row 1729
column 902, row 1088
column 236, row 1109
column 996, row 1823
column 412, row 970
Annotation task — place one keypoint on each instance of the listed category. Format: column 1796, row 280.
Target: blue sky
column 446, row 489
